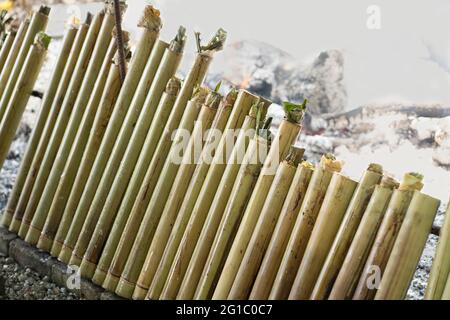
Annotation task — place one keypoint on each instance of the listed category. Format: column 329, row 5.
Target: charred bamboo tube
column 73, row 76
column 286, row 136
column 350, row 272
column 84, row 142
column 21, row 93
column 441, row 263
column 180, row 187
column 111, row 166
column 386, row 235
column 161, row 116
column 114, row 191
column 262, row 233
column 304, row 225
column 331, row 213
column 11, row 59
column 179, row 250
column 38, row 23
column 6, row 48
column 57, row 76
column 145, row 232
column 64, row 133
column 408, row 247
column 347, row 230
column 280, row 237
column 245, row 181
column 195, row 77
column 81, row 197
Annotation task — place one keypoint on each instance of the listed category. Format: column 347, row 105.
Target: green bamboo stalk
column 162, row 114
column 150, row 265
column 38, row 23
column 441, row 263
column 303, row 226
column 22, row 92
column 243, row 186
column 283, row 229
column 64, row 133
column 73, row 75
column 11, row 59
column 325, row 229
column 408, row 247
column 56, row 78
column 6, row 47
column 347, row 230
column 114, row 188
column 81, row 198
column 265, row 225
column 386, row 235
column 350, row 272
column 286, row 136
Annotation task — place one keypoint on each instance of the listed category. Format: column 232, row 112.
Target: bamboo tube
column 145, row 231
column 114, row 188
column 64, row 132
column 386, row 235
column 350, row 272
column 249, row 171
column 347, row 230
column 38, row 23
column 408, row 247
column 56, row 78
column 188, row 226
column 161, row 116
column 441, row 263
column 22, row 92
column 6, row 47
column 73, row 77
column 84, row 142
column 81, row 197
column 262, row 233
column 446, row 292
column 304, row 225
column 195, row 77
column 171, row 212
column 11, row 60
column 325, row 229
column 280, row 237
column 286, row 136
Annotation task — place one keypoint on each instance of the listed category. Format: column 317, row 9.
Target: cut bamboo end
column 411, row 181
column 44, row 10
column 109, row 7
column 111, row 282
column 329, row 162
column 151, row 19
column 178, row 43
column 125, row 289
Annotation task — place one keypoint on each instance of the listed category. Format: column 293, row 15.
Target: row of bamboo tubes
column 98, row 186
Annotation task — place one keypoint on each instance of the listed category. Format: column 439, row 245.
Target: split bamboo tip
column 216, row 43
column 231, row 97
column 307, row 165
column 411, row 181
column 44, row 10
column 42, row 40
column 258, row 109
column 295, row 156
column 389, row 182
column 375, row 167
column 173, row 86
column 177, row 44
column 329, row 162
column 73, row 22
column 109, row 7
column 295, row 112
column 213, row 100
column 89, row 17
column 151, row 19
column 200, row 94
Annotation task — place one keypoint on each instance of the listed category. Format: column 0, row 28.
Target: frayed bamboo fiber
column 223, row 166
column 22, row 92
column 6, row 48
column 56, row 78
column 385, row 238
column 286, row 136
column 81, row 196
column 118, row 186
column 141, row 235
column 162, row 114
column 73, row 76
column 347, row 230
column 38, row 23
column 441, row 263
column 335, row 203
column 194, row 78
column 171, row 212
column 248, row 174
column 281, row 234
column 11, row 60
column 408, row 247
column 112, row 164
column 350, row 272
column 64, row 132
column 85, row 141
column 265, row 225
